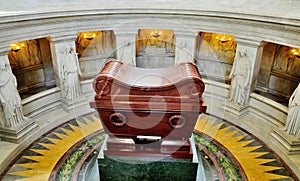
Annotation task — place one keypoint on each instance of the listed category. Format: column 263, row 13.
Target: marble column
column 249, row 65
column 14, row 126
column 185, row 47
column 126, row 46
column 67, row 70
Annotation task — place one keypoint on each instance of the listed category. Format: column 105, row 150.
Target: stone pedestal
column 144, row 148
column 70, row 105
column 238, row 110
column 17, row 134
column 145, row 168
column 290, row 144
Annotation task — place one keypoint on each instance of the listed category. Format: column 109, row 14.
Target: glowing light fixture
column 296, row 52
column 15, row 47
column 224, row 38
column 89, row 35
column 156, row 33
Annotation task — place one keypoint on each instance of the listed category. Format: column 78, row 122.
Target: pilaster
column 59, row 46
column 251, row 48
column 185, row 47
column 126, row 46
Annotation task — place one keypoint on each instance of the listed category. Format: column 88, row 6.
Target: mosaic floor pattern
column 51, row 156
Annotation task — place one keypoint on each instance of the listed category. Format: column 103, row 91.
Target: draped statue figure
column 10, row 98
column 293, row 118
column 240, row 76
column 70, row 72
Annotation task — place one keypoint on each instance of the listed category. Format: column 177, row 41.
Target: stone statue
column 293, row 118
column 126, row 53
column 70, row 74
column 10, row 98
column 240, row 76
column 182, row 55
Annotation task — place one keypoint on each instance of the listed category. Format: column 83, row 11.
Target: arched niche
column 155, row 48
column 94, row 48
column 279, row 73
column 31, row 63
column 215, row 55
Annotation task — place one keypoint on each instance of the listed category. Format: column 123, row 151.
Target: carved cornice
column 60, row 38
column 189, row 8
column 248, row 42
column 58, row 25
column 4, row 50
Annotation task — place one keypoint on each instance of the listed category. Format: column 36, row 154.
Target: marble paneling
column 126, row 168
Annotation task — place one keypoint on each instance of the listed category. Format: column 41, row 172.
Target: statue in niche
column 286, row 62
column 182, row 52
column 10, row 98
column 70, row 74
column 127, row 53
column 240, row 76
column 293, row 118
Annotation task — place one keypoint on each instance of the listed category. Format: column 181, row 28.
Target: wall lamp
column 156, row 33
column 15, row 47
column 224, row 38
column 296, row 52
column 89, row 35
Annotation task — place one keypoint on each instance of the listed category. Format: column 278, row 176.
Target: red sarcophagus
column 150, row 111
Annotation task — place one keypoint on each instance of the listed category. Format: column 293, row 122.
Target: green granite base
column 117, row 168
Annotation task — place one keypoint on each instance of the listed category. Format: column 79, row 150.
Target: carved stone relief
column 27, row 56
column 279, row 73
column 286, row 62
column 70, row 74
column 240, row 75
column 103, row 44
column 94, row 52
column 32, row 66
column 155, row 48
column 215, row 55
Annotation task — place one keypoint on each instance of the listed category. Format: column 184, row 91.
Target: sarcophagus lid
column 161, row 102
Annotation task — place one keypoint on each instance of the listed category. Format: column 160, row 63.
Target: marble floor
column 66, row 153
